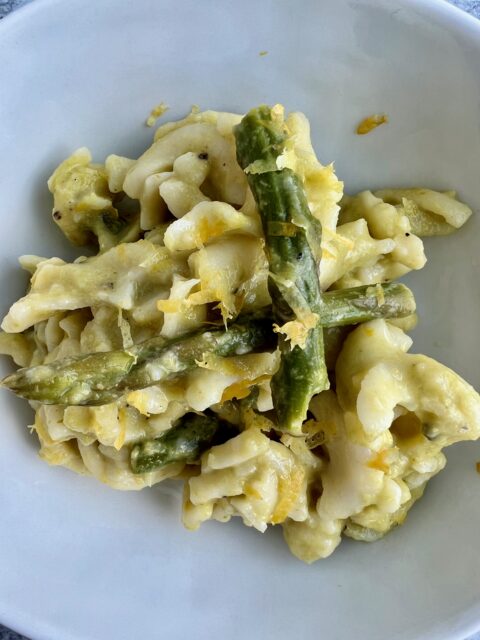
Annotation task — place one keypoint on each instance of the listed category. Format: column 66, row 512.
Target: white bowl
column 81, row 561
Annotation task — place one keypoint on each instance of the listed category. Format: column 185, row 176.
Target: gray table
column 472, row 6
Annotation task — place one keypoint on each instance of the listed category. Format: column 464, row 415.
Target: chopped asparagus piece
column 184, row 442
column 100, row 378
column 361, row 304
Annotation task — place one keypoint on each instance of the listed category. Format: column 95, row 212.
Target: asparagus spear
column 361, row 304
column 293, row 283
column 99, row 378
column 184, row 442
column 333, row 339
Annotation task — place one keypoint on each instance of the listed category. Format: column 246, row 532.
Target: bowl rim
column 462, row 625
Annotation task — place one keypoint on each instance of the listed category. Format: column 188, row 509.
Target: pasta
column 185, row 253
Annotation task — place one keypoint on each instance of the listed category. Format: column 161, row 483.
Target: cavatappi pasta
column 181, row 248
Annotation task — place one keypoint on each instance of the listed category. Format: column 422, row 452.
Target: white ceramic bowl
column 79, row 561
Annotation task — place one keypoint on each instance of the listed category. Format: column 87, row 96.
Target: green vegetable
column 333, row 339
column 111, row 230
column 293, row 281
column 85, row 209
column 360, row 304
column 347, row 307
column 184, row 442
column 100, row 378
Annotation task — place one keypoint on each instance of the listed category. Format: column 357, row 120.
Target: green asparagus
column 293, row 282
column 184, row 442
column 100, row 378
column 361, row 304
column 333, row 339
column 346, row 308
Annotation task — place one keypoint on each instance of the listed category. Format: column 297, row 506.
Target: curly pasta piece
column 250, row 476
column 323, row 189
column 153, row 208
column 402, row 409
column 375, row 375
column 109, row 464
column 383, row 439
column 352, row 250
column 181, row 191
column 80, row 191
column 336, row 477
column 84, row 205
column 201, row 135
column 430, row 212
column 178, row 315
column 115, row 277
column 19, row 346
column 383, row 219
column 208, row 222
column 314, row 538
column 116, row 168
column 113, row 468
column 221, row 379
column 232, row 273
column 400, row 249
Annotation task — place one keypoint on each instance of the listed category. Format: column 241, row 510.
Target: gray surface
column 9, row 5
column 472, row 6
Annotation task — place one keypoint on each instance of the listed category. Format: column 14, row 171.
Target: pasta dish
column 241, row 328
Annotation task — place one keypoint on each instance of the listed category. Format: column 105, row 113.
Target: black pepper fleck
column 407, row 234
column 57, row 215
column 203, row 156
